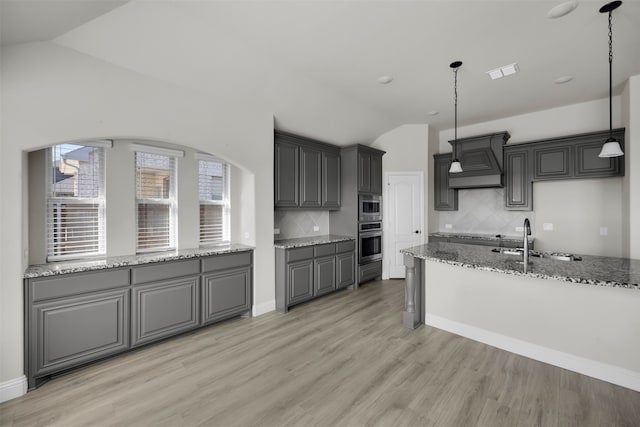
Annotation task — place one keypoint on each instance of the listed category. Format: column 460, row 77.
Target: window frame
column 225, row 202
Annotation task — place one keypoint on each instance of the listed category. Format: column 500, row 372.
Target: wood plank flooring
column 342, row 360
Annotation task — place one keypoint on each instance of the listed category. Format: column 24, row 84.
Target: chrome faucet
column 526, row 232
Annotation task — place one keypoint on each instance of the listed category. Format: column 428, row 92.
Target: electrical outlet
column 604, row 231
column 276, row 231
column 448, row 226
column 547, row 226
column 246, row 234
column 316, row 228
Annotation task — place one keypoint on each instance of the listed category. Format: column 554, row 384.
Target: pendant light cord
column 610, row 72
column 455, row 100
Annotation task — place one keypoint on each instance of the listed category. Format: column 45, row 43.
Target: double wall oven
column 369, row 228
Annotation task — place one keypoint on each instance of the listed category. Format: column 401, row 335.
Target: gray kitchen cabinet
column 445, row 198
column 226, row 287
column 311, row 271
column 307, row 173
column 77, row 318
column 518, row 193
column 66, row 332
column 310, row 177
column 589, row 165
column 345, row 264
column 370, row 271
column 286, row 172
column 330, row 180
column 163, row 309
column 369, row 171
column 552, row 161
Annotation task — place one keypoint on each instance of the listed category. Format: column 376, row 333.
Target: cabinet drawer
column 324, row 250
column 345, row 246
column 223, row 262
column 369, row 271
column 77, row 283
column 299, row 254
column 164, row 270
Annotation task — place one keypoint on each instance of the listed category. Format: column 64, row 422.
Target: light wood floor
column 343, row 360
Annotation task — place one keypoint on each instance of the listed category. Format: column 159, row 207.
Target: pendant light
column 456, row 167
column 611, row 147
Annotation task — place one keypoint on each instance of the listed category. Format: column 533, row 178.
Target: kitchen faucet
column 526, row 232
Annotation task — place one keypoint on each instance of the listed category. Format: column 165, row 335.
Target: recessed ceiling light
column 503, row 71
column 563, row 79
column 562, row 9
column 433, row 113
column 383, row 80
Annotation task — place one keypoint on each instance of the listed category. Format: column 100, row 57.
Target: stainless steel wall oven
column 369, row 241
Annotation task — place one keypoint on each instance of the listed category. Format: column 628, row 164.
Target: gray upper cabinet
column 286, row 183
column 307, row 173
column 369, row 171
column 330, row 180
column 552, row 161
column 518, row 184
column 445, row 198
column 589, row 165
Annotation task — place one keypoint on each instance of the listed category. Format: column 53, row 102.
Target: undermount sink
column 560, row 256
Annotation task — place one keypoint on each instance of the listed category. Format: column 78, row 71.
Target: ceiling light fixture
column 383, row 80
column 611, row 147
column 562, row 9
column 503, row 71
column 433, row 113
column 455, row 167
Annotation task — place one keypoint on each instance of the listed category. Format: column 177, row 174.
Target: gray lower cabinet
column 311, row 271
column 77, row 318
column 163, row 309
column 67, row 332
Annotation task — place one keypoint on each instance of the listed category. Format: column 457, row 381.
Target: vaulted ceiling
column 275, row 51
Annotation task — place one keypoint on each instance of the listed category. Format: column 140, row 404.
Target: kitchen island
column 579, row 315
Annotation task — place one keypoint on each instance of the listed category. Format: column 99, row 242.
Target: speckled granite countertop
column 484, row 237
column 78, row 266
column 592, row 270
column 310, row 241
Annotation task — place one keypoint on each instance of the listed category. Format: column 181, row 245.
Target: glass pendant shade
column 456, row 167
column 611, row 148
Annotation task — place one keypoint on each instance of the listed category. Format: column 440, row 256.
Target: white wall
column 577, row 208
column 52, row 94
column 631, row 182
column 586, row 328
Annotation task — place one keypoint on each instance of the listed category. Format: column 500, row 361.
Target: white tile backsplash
column 481, row 211
column 300, row 223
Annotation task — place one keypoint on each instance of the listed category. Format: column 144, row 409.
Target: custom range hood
column 481, row 160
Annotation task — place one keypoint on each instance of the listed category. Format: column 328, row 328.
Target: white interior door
column 403, row 217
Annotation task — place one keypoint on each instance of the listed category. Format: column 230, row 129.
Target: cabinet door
column 552, row 161
column 364, row 172
column 286, row 172
column 299, row 281
column 446, row 199
column 226, row 294
column 325, row 274
column 345, row 269
column 589, row 165
column 310, row 167
column 518, row 192
column 376, row 174
column 68, row 332
column 162, row 309
column 330, row 180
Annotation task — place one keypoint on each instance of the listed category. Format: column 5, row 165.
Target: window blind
column 75, row 201
column 155, row 201
column 213, row 190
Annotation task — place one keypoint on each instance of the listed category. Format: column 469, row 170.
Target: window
column 213, row 190
column 155, row 199
column 75, row 201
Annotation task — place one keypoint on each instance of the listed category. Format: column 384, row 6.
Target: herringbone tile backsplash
column 295, row 223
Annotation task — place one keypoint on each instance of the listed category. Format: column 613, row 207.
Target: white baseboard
column 13, row 388
column 265, row 307
column 602, row 371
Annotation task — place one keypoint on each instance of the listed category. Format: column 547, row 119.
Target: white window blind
column 75, row 202
column 213, row 190
column 155, row 201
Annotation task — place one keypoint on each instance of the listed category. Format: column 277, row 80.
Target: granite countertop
column 488, row 237
column 77, row 266
column 310, row 241
column 592, row 270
